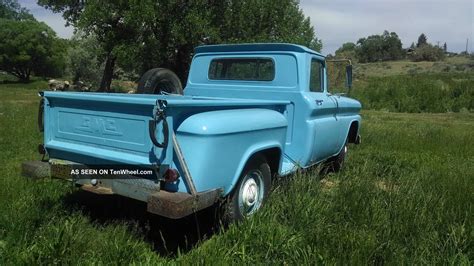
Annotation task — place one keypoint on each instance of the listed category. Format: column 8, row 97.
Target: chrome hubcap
column 249, row 193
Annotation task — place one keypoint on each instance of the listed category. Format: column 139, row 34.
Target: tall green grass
column 435, row 93
column 405, row 196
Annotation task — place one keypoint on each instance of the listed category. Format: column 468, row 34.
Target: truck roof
column 251, row 47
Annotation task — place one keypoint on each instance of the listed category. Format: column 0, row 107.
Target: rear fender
column 255, row 149
column 218, row 144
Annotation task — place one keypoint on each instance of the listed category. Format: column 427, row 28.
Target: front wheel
column 335, row 163
column 251, row 191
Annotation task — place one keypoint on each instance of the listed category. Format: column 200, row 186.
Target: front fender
column 347, row 122
column 217, row 144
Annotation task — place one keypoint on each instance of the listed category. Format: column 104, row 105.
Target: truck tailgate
column 82, row 127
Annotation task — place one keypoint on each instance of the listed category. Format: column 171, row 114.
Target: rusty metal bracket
column 184, row 166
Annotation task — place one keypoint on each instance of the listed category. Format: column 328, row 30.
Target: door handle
column 319, row 102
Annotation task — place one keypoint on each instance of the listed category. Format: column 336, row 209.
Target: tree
column 82, row 59
column 422, row 40
column 169, row 40
column 347, row 50
column 346, row 47
column 10, row 9
column 445, row 47
column 387, row 46
column 237, row 22
column 30, row 47
column 107, row 20
column 265, row 21
column 140, row 35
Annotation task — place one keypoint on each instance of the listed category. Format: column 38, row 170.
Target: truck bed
column 98, row 128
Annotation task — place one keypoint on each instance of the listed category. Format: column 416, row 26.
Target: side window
column 316, row 76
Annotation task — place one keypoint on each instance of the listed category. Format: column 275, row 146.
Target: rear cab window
column 249, row 69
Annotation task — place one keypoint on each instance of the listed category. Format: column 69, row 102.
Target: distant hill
column 389, row 68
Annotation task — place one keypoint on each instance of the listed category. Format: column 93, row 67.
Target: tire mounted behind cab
column 158, row 80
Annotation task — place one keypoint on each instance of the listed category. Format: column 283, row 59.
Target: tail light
column 171, row 175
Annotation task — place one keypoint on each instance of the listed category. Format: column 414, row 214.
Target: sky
column 339, row 21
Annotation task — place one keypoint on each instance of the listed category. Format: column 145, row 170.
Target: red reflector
column 171, row 175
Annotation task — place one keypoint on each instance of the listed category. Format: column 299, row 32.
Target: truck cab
column 319, row 123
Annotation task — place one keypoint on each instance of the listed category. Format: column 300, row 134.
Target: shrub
column 387, row 46
column 427, row 52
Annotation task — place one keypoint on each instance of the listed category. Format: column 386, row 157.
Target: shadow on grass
column 166, row 236
column 12, row 82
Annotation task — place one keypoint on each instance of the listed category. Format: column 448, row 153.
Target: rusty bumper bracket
column 36, row 169
column 176, row 205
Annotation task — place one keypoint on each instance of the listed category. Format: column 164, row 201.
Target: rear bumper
column 176, row 205
column 172, row 205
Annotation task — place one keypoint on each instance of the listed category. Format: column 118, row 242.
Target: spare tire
column 158, row 80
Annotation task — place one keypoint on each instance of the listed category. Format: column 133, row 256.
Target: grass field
column 405, row 196
column 413, row 87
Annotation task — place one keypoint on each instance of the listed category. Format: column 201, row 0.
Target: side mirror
column 337, row 72
column 349, row 77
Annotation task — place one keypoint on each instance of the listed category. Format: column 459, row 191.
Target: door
column 324, row 119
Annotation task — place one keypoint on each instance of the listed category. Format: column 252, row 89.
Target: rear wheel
column 158, row 80
column 251, row 191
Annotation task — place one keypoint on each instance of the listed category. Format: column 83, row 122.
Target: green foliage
column 347, row 51
column 30, row 47
column 265, row 21
column 140, row 35
column 169, row 40
column 387, row 46
column 405, row 197
column 427, row 52
column 83, row 63
column 437, row 93
column 10, row 9
column 110, row 22
column 451, row 64
column 346, row 47
column 422, row 40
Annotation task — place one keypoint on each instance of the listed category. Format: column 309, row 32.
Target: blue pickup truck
column 249, row 112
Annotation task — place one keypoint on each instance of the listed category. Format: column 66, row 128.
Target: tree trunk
column 108, row 73
column 183, row 60
column 22, row 75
